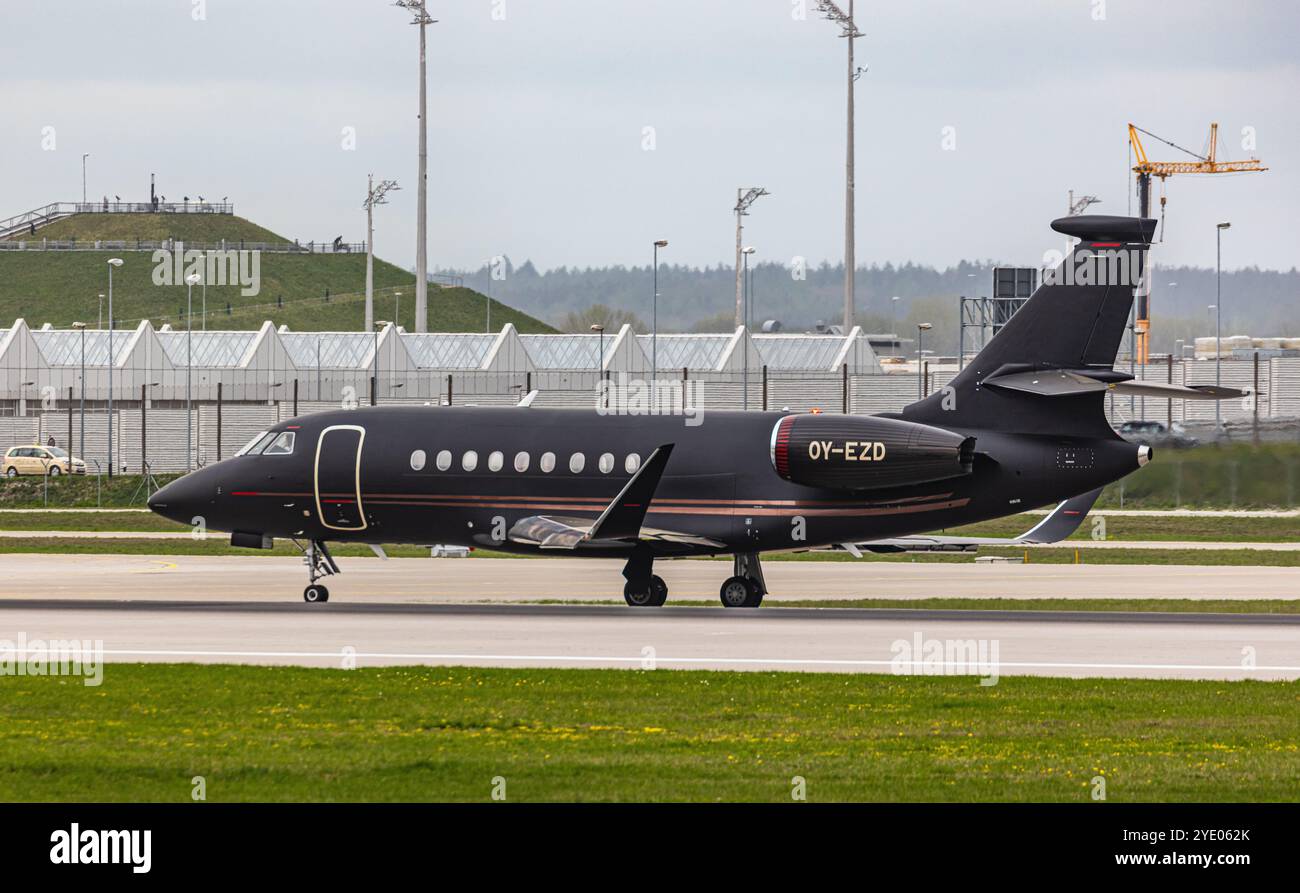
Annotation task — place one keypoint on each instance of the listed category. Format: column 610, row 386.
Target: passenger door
column 338, row 477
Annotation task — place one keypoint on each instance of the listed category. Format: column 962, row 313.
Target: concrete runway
column 442, row 580
column 404, row 611
column 819, row 640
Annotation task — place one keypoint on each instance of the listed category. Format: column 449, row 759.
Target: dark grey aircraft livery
column 1022, row 426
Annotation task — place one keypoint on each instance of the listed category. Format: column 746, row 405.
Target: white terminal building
column 55, row 383
column 269, row 365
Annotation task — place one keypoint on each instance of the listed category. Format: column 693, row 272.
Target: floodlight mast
column 744, row 198
column 850, row 31
column 375, row 195
column 421, row 17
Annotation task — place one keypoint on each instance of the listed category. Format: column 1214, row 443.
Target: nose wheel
column 319, row 564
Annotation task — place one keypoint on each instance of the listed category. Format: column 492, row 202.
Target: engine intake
column 866, row 452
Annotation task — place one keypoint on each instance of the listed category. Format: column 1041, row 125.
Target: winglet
column 622, row 518
column 1062, row 521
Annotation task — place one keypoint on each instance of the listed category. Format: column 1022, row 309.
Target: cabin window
column 495, row 460
column 606, row 463
column 521, row 462
column 576, row 462
column 417, row 460
column 469, row 461
column 281, row 446
column 547, row 463
column 631, row 463
column 443, row 460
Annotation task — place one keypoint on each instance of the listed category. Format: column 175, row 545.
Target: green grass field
column 62, row 287
column 1238, row 475
column 427, row 733
column 76, row 491
column 1157, row 528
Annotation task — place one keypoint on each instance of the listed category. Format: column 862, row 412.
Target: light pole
column 374, row 380
column 190, row 281
column 101, row 311
column 654, row 313
column 421, row 18
column 921, row 329
column 84, row 156
column 375, row 195
column 893, row 324
column 850, row 31
column 487, row 294
column 112, row 262
column 397, row 308
column 81, row 327
column 744, row 198
column 1218, row 314
column 600, row 359
column 744, row 375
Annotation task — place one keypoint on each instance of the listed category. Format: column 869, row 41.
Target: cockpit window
column 281, row 446
column 255, row 445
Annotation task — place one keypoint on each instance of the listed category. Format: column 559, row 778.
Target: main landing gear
column 645, row 589
column 747, row 588
column 319, row 564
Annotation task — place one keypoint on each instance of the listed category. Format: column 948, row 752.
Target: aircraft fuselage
column 467, row 475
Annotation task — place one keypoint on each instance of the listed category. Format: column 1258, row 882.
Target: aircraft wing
column 1059, row 524
column 619, row 524
column 557, row 532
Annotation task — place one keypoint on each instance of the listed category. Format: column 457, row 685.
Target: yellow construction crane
column 1145, row 169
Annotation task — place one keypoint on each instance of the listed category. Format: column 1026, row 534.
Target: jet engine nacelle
column 846, row 452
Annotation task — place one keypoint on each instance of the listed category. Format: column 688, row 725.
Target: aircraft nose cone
column 183, row 498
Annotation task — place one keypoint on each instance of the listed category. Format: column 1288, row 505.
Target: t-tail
column 1047, row 370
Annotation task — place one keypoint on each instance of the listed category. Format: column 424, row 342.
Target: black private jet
column 1021, row 426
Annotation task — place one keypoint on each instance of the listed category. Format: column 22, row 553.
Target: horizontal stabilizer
column 1177, row 391
column 1048, row 383
column 1072, row 383
column 1060, row 524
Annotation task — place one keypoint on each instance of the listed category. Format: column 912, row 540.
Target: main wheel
column 315, row 593
column 740, row 592
column 650, row 593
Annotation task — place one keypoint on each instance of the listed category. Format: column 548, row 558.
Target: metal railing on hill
column 325, row 247
column 31, row 221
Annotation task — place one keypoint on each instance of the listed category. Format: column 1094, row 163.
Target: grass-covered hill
column 153, row 228
column 320, row 292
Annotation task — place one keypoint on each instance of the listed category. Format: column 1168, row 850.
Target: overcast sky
column 539, row 109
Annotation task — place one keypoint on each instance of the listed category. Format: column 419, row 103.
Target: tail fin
column 1074, row 321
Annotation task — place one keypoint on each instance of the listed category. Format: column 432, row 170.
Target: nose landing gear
column 319, row 564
